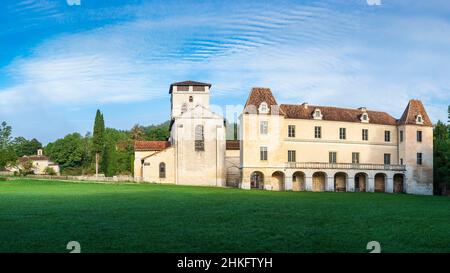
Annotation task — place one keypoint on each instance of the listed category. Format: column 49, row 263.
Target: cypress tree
column 98, row 139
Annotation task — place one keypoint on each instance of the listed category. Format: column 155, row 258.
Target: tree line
column 106, row 151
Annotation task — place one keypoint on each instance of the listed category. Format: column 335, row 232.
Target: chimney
column 305, row 105
column 364, row 109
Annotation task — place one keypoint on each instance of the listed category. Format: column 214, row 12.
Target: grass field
column 40, row 216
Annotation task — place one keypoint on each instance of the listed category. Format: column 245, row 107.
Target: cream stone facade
column 39, row 163
column 195, row 154
column 290, row 147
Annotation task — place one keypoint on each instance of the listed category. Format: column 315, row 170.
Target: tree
column 68, row 152
column 157, row 132
column 98, row 138
column 137, row 132
column 22, row 146
column 441, row 155
column 7, row 153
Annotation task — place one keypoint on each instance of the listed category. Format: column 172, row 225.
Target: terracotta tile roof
column 336, row 114
column 151, row 145
column 233, row 145
column 259, row 95
column 414, row 108
column 191, row 83
column 33, row 158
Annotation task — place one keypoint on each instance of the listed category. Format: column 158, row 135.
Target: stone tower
column 415, row 133
column 186, row 95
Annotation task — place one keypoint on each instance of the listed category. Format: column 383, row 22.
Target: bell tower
column 186, row 95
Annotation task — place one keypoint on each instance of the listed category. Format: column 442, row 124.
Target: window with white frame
column 419, row 119
column 365, row 134
column 387, row 136
column 355, row 158
column 291, row 156
column 332, row 157
column 263, row 108
column 317, row 114
column 291, row 130
column 387, row 159
column 317, row 132
column 365, row 117
column 263, row 153
column 342, row 133
column 263, row 127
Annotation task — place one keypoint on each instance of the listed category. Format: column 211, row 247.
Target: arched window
column 191, row 99
column 162, row 170
column 317, row 114
column 263, row 108
column 199, row 138
column 419, row 119
column 183, row 108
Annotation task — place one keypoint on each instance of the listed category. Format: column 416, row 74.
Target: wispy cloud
column 323, row 53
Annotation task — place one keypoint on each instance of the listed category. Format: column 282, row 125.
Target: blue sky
column 60, row 62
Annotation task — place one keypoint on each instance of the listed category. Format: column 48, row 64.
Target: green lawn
column 40, row 216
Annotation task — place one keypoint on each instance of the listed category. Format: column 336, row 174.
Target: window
column 318, row 132
column 291, row 156
column 365, row 134
column 419, row 119
column 401, row 136
column 191, row 99
column 332, row 157
column 387, row 159
column 355, row 158
column 263, row 108
column 342, row 133
column 401, row 161
column 183, row 88
column 365, row 117
column 198, row 88
column 263, row 127
column 263, row 153
column 199, row 138
column 291, row 130
column 317, row 114
column 162, row 170
column 419, row 136
column 419, row 158
column 183, row 108
column 387, row 136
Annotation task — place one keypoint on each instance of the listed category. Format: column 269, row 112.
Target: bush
column 3, row 179
column 49, row 171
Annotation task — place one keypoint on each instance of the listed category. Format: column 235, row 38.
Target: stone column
column 308, row 183
column 330, row 183
column 389, row 184
column 370, row 184
column 288, row 183
column 350, row 185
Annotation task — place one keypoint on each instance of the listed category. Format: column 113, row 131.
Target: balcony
column 343, row 166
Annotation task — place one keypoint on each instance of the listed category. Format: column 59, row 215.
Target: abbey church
column 298, row 147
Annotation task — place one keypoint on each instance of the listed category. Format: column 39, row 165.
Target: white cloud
column 304, row 53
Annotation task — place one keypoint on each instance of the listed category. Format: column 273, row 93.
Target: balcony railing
column 344, row 166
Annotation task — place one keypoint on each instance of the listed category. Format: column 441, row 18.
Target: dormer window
column 419, row 119
column 365, row 118
column 263, row 108
column 317, row 114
